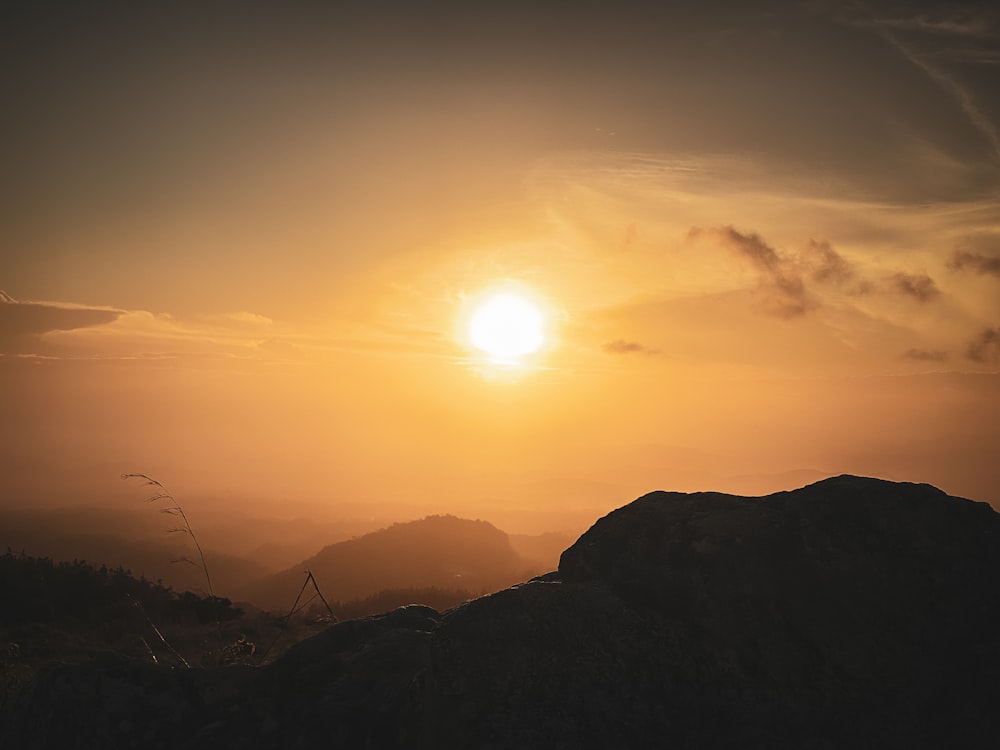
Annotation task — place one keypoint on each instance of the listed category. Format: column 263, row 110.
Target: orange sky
column 237, row 242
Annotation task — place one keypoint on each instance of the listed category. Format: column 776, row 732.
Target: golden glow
column 507, row 326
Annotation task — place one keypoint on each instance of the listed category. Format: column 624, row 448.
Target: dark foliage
column 37, row 590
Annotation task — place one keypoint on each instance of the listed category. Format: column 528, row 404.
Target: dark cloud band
column 21, row 321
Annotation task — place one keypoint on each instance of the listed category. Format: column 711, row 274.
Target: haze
column 237, row 240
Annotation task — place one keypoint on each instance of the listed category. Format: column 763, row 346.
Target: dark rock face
column 851, row 613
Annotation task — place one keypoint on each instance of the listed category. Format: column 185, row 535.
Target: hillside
column 853, row 612
column 66, row 612
column 138, row 540
column 438, row 551
column 434, row 554
column 134, row 542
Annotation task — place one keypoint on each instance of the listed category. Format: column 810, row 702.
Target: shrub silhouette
column 37, row 590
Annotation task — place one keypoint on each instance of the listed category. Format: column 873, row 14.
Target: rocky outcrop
column 850, row 613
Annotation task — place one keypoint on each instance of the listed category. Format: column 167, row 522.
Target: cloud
column 925, row 355
column 965, row 26
column 826, row 265
column 782, row 292
column 986, row 346
column 68, row 331
column 962, row 95
column 976, row 56
column 21, row 321
column 977, row 262
column 621, row 346
column 753, row 247
column 920, row 286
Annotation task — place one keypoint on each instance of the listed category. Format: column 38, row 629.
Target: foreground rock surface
column 850, row 613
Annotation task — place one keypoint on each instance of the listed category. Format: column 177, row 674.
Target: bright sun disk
column 507, row 326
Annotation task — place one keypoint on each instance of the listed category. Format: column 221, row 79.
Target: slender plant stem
column 175, row 509
column 310, row 578
column 319, row 593
column 159, row 635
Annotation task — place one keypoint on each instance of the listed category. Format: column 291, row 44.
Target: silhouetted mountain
column 437, row 551
column 850, row 613
column 156, row 561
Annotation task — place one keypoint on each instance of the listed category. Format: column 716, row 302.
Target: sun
column 507, row 326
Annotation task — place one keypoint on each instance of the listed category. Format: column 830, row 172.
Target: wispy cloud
column 974, row 56
column 925, row 355
column 862, row 283
column 621, row 346
column 782, row 292
column 965, row 25
column 918, row 286
column 69, row 331
column 978, row 262
column 962, row 95
column 986, row 346
column 20, row 322
column 825, row 264
column 788, row 281
column 971, row 33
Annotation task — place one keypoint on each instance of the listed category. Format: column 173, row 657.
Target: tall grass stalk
column 173, row 508
column 159, row 635
column 310, row 578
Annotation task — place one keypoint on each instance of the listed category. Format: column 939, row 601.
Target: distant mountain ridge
column 443, row 552
column 853, row 612
column 440, row 550
column 138, row 541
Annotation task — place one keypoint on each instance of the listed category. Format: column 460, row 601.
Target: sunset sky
column 238, row 242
